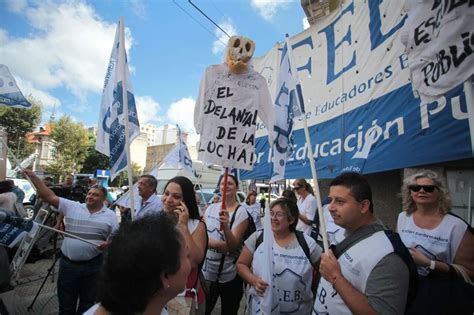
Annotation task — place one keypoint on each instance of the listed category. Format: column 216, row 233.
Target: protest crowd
column 166, row 251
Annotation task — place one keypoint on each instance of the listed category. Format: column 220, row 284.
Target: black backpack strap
column 304, row 245
column 259, row 240
column 400, row 249
column 221, row 263
column 359, row 235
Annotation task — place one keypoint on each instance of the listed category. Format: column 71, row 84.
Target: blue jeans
column 77, row 280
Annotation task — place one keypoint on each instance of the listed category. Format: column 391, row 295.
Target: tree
column 17, row 122
column 94, row 159
column 122, row 178
column 71, row 142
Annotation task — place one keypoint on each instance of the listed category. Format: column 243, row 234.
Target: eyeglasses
column 278, row 215
column 296, row 187
column 426, row 188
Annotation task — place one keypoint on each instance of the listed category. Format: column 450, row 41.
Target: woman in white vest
column 436, row 238
column 179, row 200
column 306, row 204
column 254, row 209
column 293, row 271
column 224, row 243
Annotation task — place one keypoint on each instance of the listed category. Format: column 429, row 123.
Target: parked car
column 30, row 193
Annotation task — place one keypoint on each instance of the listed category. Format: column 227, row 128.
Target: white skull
column 239, row 51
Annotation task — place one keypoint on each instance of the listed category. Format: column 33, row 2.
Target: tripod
column 57, row 255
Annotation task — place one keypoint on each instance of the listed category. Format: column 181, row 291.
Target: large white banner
column 360, row 107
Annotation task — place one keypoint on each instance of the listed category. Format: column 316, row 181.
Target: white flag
column 288, row 104
column 111, row 127
column 267, row 272
column 179, row 156
column 10, row 94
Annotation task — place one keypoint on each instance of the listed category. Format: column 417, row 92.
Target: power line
column 200, row 24
column 197, row 8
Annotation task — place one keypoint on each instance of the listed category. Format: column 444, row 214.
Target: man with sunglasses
column 364, row 273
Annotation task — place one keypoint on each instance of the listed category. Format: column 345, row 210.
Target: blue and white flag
column 14, row 229
column 10, row 94
column 111, row 139
column 288, row 104
column 179, row 156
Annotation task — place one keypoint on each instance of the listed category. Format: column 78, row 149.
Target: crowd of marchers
column 175, row 257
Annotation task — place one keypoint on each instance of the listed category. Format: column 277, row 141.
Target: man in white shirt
column 80, row 261
column 149, row 201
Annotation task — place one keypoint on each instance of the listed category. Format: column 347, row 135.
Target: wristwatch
column 432, row 265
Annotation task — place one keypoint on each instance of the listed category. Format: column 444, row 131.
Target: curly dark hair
column 189, row 195
column 291, row 209
column 140, row 253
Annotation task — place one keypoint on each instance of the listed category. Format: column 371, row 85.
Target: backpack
column 251, row 227
column 398, row 248
column 299, row 237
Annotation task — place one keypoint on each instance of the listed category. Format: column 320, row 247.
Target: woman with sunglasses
column 293, row 271
column 435, row 237
column 306, row 204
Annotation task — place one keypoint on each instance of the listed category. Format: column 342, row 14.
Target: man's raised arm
column 43, row 191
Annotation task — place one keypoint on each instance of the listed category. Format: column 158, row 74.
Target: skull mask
column 239, row 52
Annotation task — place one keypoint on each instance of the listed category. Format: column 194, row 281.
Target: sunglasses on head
column 426, row 188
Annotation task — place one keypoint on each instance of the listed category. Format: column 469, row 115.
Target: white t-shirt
column 95, row 227
column 213, row 258
column 307, row 207
column 440, row 243
column 225, row 116
column 254, row 211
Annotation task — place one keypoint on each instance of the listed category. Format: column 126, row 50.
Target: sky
column 58, row 51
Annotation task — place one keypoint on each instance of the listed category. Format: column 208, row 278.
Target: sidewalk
column 31, row 277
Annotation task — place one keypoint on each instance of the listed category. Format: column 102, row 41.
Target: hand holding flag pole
column 224, row 191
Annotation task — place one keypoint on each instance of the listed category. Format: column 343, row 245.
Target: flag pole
column 125, row 107
column 224, row 192
column 299, row 92
column 18, row 163
column 470, row 110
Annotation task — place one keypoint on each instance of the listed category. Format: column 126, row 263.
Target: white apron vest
column 292, row 278
column 440, row 243
column 212, row 261
column 356, row 265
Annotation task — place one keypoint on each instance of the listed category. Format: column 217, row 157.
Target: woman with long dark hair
column 179, row 201
column 219, row 266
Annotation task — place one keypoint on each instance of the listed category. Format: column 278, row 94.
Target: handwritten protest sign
column 226, row 114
